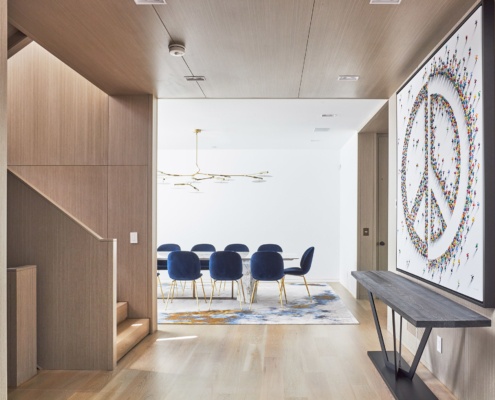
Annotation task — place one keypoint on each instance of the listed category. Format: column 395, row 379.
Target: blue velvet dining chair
column 270, row 247
column 267, row 266
column 184, row 266
column 161, row 265
column 237, row 247
column 305, row 266
column 204, row 247
column 226, row 266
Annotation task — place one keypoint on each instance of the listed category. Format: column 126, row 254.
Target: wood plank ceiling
column 245, row 49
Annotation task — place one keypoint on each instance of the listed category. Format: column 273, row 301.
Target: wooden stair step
column 129, row 333
column 121, row 311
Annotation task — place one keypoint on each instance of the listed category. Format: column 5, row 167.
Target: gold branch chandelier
column 191, row 180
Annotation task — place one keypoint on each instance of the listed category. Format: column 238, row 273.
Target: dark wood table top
column 419, row 305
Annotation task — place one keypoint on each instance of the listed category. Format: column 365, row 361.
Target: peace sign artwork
column 441, row 166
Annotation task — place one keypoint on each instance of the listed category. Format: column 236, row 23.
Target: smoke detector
column 176, row 50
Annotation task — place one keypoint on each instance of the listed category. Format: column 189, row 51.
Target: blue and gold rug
column 326, row 308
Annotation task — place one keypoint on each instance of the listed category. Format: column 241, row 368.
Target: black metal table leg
column 399, row 377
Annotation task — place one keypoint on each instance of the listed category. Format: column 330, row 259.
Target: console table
column 421, row 307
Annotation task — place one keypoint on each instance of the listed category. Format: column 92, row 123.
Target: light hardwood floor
column 245, row 362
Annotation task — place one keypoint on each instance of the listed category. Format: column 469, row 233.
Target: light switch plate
column 439, row 344
column 134, row 237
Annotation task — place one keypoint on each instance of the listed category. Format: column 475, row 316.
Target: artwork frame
column 445, row 225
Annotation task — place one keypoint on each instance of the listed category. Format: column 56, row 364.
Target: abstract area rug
column 326, row 308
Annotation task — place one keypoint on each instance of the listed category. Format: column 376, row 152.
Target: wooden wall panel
column 367, row 200
column 76, row 298
column 130, row 199
column 130, row 125
column 56, row 117
column 80, row 190
column 3, row 198
column 127, row 212
column 107, row 190
column 152, row 204
column 21, row 325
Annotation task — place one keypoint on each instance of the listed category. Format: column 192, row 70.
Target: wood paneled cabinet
column 21, row 324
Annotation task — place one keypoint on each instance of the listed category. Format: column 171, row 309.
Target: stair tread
column 129, row 333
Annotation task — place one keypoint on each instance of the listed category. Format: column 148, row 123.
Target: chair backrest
column 162, row 264
column 183, row 265
column 168, row 247
column 270, row 247
column 203, row 247
column 267, row 266
column 307, row 259
column 236, row 247
column 225, row 266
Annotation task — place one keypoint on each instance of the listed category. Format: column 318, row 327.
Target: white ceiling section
column 261, row 123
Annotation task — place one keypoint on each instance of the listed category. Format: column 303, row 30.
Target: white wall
column 348, row 213
column 298, row 207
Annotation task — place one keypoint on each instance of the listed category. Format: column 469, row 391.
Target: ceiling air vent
column 195, row 78
column 348, row 78
column 321, row 130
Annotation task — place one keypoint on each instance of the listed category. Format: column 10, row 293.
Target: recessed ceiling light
column 149, row 2
column 321, row 130
column 348, row 78
column 195, row 78
column 385, row 2
column 328, row 115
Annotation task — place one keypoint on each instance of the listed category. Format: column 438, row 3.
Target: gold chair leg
column 283, row 286
column 212, row 292
column 280, row 293
column 195, row 291
column 174, row 288
column 253, row 293
column 238, row 293
column 243, row 292
column 171, row 291
column 306, row 283
column 203, row 286
column 161, row 288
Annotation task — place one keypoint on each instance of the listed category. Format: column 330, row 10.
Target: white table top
column 205, row 255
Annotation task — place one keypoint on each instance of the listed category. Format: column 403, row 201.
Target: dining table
column 247, row 280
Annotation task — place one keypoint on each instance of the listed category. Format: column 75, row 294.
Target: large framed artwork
column 446, row 168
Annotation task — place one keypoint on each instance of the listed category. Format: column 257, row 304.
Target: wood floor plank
column 239, row 362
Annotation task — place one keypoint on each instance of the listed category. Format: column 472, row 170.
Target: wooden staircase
column 129, row 331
